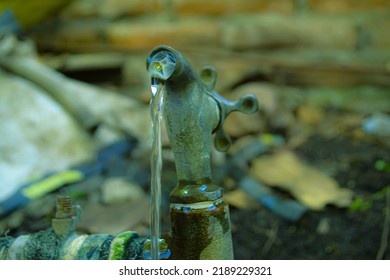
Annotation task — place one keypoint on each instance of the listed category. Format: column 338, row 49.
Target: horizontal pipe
column 47, row 245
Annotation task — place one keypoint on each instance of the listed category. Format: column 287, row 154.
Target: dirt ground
column 349, row 233
column 334, row 233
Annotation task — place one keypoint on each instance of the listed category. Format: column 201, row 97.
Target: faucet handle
column 246, row 104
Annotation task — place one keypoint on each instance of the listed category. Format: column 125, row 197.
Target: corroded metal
column 67, row 216
column 201, row 231
column 61, row 242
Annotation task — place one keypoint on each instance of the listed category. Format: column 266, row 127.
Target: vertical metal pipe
column 200, row 222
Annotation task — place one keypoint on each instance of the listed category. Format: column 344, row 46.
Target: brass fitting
column 67, row 216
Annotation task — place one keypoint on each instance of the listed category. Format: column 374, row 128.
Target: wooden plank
column 224, row 7
column 129, row 35
column 180, row 34
column 111, row 8
column 337, row 6
column 244, row 33
column 120, row 8
column 276, row 31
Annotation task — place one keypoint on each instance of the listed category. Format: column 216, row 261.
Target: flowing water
column 161, row 65
column 156, row 111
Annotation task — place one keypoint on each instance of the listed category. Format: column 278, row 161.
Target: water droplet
column 212, row 207
column 155, row 85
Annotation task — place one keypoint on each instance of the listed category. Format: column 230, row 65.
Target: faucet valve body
column 193, row 112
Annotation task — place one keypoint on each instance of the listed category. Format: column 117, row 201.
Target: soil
column 334, row 233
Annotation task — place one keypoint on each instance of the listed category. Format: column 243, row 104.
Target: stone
column 37, row 135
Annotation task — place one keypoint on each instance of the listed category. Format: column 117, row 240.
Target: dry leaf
column 308, row 185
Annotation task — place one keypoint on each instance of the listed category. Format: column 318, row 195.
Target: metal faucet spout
column 191, row 115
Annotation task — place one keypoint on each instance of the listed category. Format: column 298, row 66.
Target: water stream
column 162, row 65
column 156, row 111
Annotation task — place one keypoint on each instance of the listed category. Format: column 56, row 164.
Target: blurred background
column 308, row 175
